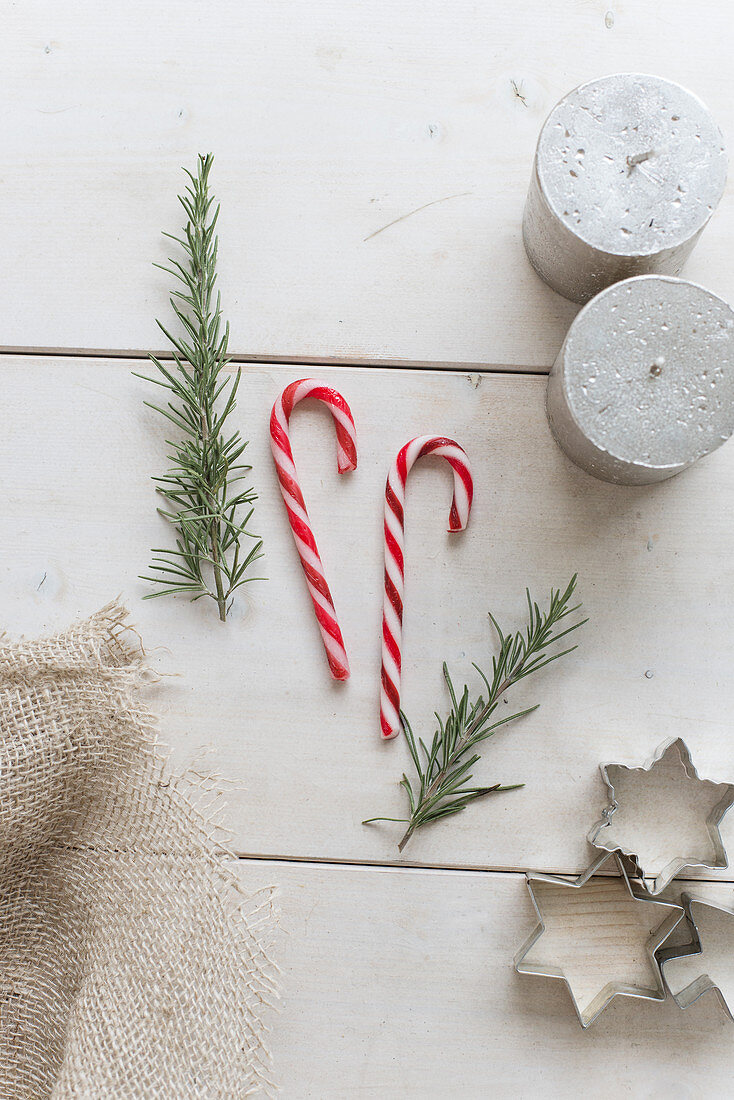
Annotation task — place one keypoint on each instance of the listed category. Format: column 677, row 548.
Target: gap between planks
column 440, row 868
column 136, row 354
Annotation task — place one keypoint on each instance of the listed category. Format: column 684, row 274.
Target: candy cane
column 392, row 614
column 296, row 507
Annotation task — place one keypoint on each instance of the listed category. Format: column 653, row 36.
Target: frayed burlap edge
column 114, row 650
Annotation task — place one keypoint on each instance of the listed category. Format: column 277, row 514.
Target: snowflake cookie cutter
column 601, row 915
column 680, row 966
column 662, row 792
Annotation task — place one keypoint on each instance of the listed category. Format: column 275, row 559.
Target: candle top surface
column 631, row 164
column 648, row 371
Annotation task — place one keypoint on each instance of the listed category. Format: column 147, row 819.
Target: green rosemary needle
column 441, row 786
column 202, row 490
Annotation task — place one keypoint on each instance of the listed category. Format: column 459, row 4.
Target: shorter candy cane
column 296, row 507
column 392, row 613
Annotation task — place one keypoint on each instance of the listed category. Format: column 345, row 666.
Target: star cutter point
column 670, row 914
column 702, row 983
column 677, row 751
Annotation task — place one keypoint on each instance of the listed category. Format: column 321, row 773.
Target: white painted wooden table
column 372, row 162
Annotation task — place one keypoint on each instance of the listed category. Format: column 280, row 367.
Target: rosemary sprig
column 202, row 489
column 443, row 771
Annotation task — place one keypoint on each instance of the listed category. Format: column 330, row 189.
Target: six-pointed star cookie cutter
column 631, row 864
column 703, row 983
column 612, row 989
column 677, row 862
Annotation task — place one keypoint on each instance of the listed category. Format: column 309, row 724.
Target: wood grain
column 253, row 700
column 400, row 984
column 372, row 161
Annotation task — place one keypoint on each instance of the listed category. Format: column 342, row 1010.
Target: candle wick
column 638, row 158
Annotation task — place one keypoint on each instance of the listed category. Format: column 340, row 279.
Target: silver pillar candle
column 643, row 385
column 628, row 170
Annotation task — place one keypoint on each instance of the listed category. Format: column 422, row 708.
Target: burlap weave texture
column 131, row 965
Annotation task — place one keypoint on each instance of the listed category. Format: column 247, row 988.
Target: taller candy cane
column 296, row 507
column 392, row 614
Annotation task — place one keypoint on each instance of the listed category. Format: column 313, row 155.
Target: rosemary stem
column 214, row 536
column 204, row 369
column 216, row 570
column 461, row 745
column 206, row 461
column 443, row 784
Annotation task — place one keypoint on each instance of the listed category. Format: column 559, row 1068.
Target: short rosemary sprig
column 443, row 770
column 202, row 489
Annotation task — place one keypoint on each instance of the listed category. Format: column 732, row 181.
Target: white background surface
column 328, row 121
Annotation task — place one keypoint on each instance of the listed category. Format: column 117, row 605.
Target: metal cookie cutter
column 662, row 810
column 707, row 962
column 594, row 934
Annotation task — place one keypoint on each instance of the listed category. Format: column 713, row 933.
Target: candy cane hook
column 392, row 614
column 296, row 507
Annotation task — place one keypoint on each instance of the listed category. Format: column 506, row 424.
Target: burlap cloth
column 131, row 965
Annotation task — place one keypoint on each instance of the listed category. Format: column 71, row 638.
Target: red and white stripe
column 295, row 505
column 392, row 614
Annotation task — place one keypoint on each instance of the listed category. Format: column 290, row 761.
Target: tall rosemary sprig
column 202, row 489
column 443, row 770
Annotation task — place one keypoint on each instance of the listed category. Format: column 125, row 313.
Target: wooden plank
column 253, row 700
column 400, row 984
column 372, row 161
